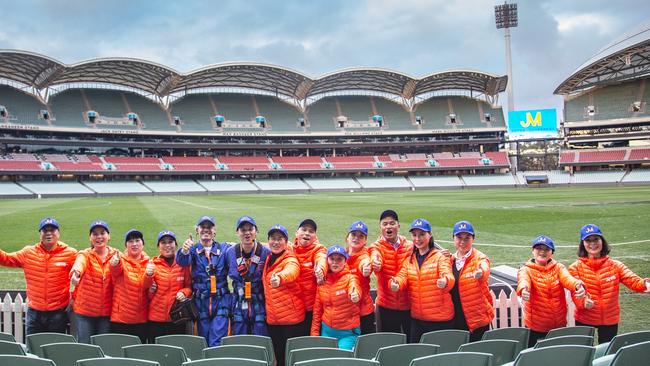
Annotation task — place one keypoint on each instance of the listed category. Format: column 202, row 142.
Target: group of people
column 287, row 288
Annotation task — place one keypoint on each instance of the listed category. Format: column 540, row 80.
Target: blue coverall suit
column 214, row 308
column 249, row 315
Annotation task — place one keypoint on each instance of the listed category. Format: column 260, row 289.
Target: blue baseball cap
column 359, row 226
column 463, row 227
column 245, row 219
column 544, row 240
column 48, row 221
column 203, row 219
column 133, row 232
column 99, row 223
column 420, row 224
column 165, row 233
column 337, row 249
column 589, row 230
column 279, row 228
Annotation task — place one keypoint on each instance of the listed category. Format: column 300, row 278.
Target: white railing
column 13, row 311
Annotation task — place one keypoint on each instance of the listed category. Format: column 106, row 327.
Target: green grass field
column 505, row 219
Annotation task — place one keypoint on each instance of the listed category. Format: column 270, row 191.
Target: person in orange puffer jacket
column 168, row 282
column 387, row 256
column 541, row 283
column 359, row 264
column 285, row 310
column 91, row 279
column 311, row 256
column 473, row 307
column 47, row 267
column 336, row 309
column 428, row 278
column 601, row 275
column 130, row 299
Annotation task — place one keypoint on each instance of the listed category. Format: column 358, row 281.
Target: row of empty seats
column 605, row 156
column 625, row 100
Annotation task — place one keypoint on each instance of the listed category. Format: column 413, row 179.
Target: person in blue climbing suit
column 245, row 266
column 212, row 297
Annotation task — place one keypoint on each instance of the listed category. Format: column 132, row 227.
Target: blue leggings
column 347, row 337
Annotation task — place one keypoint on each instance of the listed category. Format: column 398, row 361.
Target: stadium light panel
column 506, row 15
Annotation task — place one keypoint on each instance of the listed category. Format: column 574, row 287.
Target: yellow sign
column 530, row 121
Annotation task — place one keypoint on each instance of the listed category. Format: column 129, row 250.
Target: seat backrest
column 67, row 354
column 518, row 334
column 449, row 340
column 36, row 340
column 163, row 354
column 556, row 355
column 304, row 354
column 7, row 337
column 11, row 348
column 367, row 345
column 112, row 343
column 24, row 361
column 402, row 354
column 310, row 342
column 225, row 362
column 627, row 339
column 253, row 340
column 502, row 350
column 193, row 345
column 566, row 331
column 338, row 362
column 115, row 361
column 455, row 358
column 237, row 351
column 570, row 339
column 634, row 354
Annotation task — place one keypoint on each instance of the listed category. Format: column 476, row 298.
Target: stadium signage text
column 240, row 133
column 20, row 127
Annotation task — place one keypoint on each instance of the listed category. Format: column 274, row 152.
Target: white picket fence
column 508, row 313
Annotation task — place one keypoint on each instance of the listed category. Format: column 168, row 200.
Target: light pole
column 506, row 17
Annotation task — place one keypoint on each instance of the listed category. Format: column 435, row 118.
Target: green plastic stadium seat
column 115, row 361
column 520, row 335
column 571, row 339
column 305, row 354
column 67, row 354
column 17, row 360
column 193, row 345
column 403, row 354
column 455, row 358
column 566, row 331
column 163, row 354
column 555, row 355
column 626, row 339
column 338, row 362
column 502, row 350
column 225, row 362
column 36, row 340
column 237, row 351
column 253, row 340
column 449, row 339
column 310, row 342
column 11, row 348
column 112, row 343
column 7, row 337
column 634, row 354
column 367, row 345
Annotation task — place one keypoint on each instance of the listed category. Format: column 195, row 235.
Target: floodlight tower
column 506, row 17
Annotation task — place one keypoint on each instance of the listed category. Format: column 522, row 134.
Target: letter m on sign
column 530, row 121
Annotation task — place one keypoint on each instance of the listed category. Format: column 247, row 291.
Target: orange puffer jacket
column 94, row 294
column 333, row 305
column 428, row 302
column 547, row 306
column 355, row 263
column 309, row 257
column 130, row 300
column 391, row 262
column 47, row 274
column 169, row 280
column 284, row 304
column 602, row 277
column 475, row 297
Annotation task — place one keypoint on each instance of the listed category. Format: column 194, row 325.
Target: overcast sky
column 416, row 37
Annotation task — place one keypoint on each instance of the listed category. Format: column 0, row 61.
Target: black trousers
column 419, row 327
column 368, row 324
column 534, row 336
column 605, row 332
column 279, row 335
column 396, row 321
column 157, row 329
column 140, row 330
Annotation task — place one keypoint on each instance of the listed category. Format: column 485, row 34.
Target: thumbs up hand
column 354, row 296
column 441, row 282
column 115, row 259
column 366, row 269
column 75, row 278
column 589, row 303
column 525, row 294
column 187, row 245
column 275, row 281
column 580, row 291
column 150, row 268
column 376, row 263
column 394, row 286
